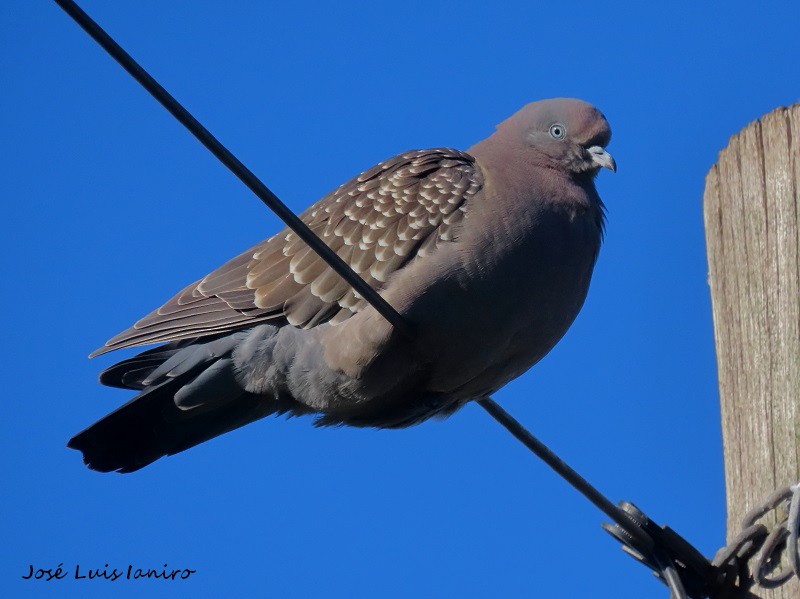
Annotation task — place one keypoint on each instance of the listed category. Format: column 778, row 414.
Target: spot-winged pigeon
column 486, row 253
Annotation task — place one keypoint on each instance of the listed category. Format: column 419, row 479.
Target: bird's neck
column 533, row 174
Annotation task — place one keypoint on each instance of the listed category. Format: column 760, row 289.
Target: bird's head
column 562, row 133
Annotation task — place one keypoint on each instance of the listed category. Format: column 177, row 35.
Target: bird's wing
column 396, row 212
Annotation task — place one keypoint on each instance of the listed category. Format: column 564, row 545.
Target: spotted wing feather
column 399, row 210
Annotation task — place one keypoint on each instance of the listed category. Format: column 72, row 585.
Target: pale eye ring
column 557, row 131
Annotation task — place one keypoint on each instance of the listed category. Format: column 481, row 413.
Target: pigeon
column 487, row 255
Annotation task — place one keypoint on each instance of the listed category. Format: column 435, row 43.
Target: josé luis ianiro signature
column 105, row 573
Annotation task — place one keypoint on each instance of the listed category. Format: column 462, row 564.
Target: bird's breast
column 484, row 308
column 510, row 291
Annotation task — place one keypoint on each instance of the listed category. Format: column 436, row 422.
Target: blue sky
column 110, row 207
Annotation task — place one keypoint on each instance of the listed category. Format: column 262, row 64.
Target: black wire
column 642, row 540
column 235, row 166
column 316, row 244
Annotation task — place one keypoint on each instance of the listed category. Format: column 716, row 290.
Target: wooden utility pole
column 752, row 220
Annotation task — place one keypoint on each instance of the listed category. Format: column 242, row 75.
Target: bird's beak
column 602, row 158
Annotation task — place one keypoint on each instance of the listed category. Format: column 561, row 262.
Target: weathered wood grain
column 752, row 208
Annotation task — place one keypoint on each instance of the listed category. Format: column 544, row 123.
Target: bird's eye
column 557, row 131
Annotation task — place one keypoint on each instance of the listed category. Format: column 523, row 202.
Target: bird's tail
column 188, row 394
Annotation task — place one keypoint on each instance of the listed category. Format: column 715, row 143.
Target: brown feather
column 397, row 211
